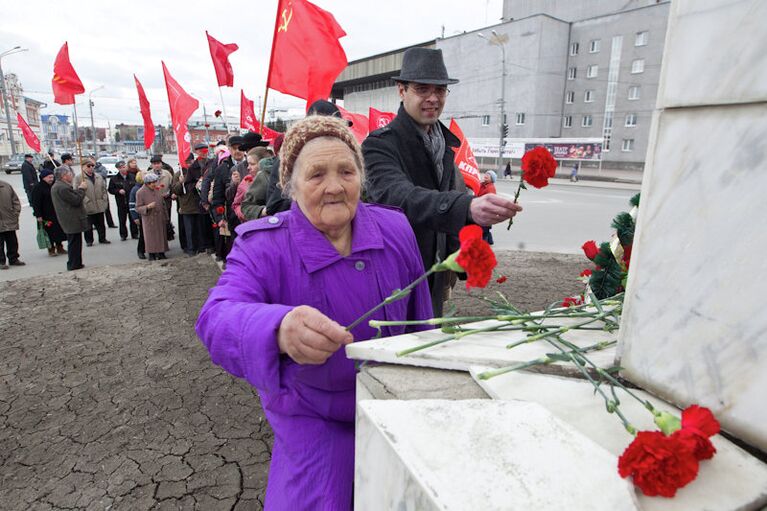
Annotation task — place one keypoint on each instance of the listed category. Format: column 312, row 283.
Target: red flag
column 145, row 114
column 359, row 124
column 464, row 159
column 249, row 121
column 219, row 52
column 182, row 106
column 379, row 119
column 306, row 55
column 65, row 81
column 247, row 113
column 29, row 135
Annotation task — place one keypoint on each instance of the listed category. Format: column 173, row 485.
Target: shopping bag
column 43, row 241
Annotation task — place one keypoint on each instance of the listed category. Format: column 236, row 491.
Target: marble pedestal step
column 732, row 480
column 486, row 348
column 479, row 454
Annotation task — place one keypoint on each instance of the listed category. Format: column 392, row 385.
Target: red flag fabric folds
column 249, row 121
column 359, row 124
column 182, row 106
column 379, row 119
column 220, row 52
column 306, row 55
column 464, row 159
column 65, row 81
column 145, row 114
column 29, row 135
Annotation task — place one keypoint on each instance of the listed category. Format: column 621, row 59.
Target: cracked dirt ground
column 109, row 401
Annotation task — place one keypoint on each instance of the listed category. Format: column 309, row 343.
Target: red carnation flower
column 217, row 113
column 214, row 225
column 502, row 279
column 586, row 273
column 220, row 210
column 538, row 166
column 248, row 178
column 572, row 301
column 49, row 224
column 475, row 257
column 590, row 249
column 698, row 424
column 658, row 464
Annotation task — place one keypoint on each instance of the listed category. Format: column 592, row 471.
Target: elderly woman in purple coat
column 292, row 281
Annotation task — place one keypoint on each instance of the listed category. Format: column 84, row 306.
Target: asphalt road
column 557, row 219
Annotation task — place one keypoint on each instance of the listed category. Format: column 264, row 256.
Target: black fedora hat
column 424, row 65
column 251, row 140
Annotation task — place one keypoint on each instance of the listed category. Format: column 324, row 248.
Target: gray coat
column 400, row 173
column 10, row 208
column 69, row 207
column 96, row 196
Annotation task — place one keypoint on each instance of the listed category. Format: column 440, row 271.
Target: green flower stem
column 545, row 360
column 556, row 332
column 397, row 294
column 456, row 337
column 516, row 196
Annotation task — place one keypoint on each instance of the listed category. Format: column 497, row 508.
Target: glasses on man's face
column 90, row 165
column 424, row 91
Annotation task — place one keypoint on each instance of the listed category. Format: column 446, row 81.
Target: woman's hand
column 309, row 337
column 150, row 205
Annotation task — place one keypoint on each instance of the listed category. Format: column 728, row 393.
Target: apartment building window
column 637, row 66
column 568, row 121
column 570, row 97
column 587, row 121
column 592, row 71
column 485, row 120
column 574, row 49
column 641, row 38
column 588, row 96
column 634, row 92
column 631, row 120
column 520, row 118
column 595, row 46
column 609, row 121
column 571, row 73
column 628, row 145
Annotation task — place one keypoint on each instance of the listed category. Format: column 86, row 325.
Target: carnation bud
column 667, row 422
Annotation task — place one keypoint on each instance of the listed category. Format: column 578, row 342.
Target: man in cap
column 50, row 163
column 120, row 186
column 275, row 202
column 410, row 166
column 191, row 215
column 222, row 176
column 28, row 176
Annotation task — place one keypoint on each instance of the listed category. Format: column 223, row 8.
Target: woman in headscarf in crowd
column 276, row 315
column 154, row 217
column 42, row 206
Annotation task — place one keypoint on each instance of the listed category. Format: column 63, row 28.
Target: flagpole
column 271, row 59
column 223, row 107
column 77, row 135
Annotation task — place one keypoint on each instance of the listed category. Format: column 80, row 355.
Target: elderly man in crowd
column 28, row 176
column 410, row 166
column 70, row 210
column 120, row 186
column 10, row 209
column 96, row 200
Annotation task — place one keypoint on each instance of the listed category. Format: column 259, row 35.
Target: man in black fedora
column 410, row 166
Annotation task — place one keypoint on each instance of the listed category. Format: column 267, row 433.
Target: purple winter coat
column 276, row 264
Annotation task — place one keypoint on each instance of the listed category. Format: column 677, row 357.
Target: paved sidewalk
column 109, row 401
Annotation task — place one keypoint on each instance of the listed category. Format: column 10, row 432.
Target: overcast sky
column 110, row 41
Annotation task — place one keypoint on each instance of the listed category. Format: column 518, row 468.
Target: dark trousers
column 108, row 215
column 192, row 231
column 9, row 244
column 123, row 220
column 182, row 237
column 74, row 251
column 96, row 220
column 140, row 247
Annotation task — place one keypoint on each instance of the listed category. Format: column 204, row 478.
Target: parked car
column 109, row 163
column 14, row 163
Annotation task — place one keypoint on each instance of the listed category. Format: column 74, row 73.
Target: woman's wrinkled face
column 252, row 165
column 326, row 183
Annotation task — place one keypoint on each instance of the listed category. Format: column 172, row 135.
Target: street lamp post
column 16, row 49
column 499, row 40
column 93, row 127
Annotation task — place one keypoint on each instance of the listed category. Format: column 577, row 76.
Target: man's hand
column 492, row 209
column 83, row 185
column 39, row 220
column 309, row 337
column 122, row 192
column 137, row 221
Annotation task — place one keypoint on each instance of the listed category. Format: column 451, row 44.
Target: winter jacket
column 28, row 177
column 124, row 183
column 70, row 210
column 96, row 197
column 10, row 208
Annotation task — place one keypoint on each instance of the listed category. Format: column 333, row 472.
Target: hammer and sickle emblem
column 286, row 17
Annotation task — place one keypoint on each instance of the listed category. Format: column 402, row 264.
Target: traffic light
column 505, row 130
